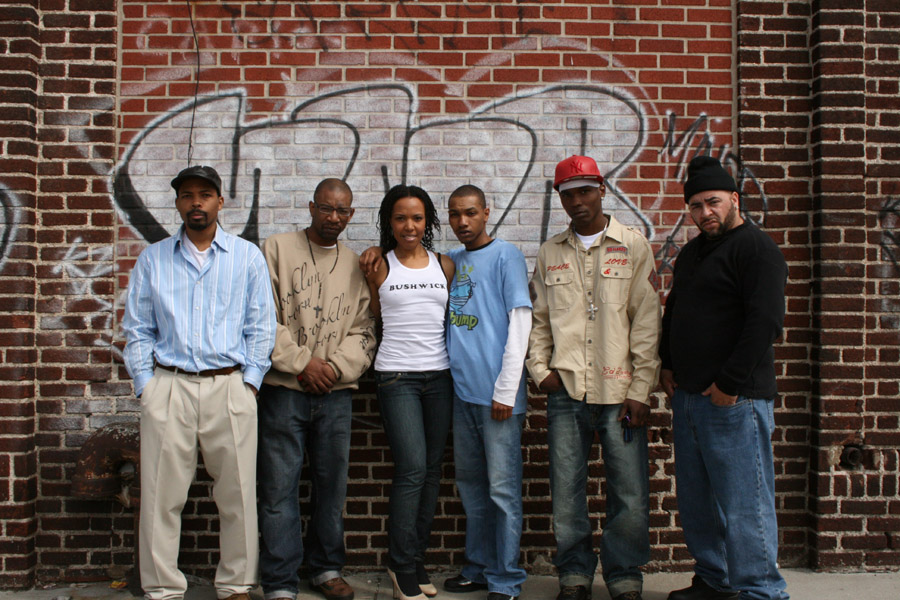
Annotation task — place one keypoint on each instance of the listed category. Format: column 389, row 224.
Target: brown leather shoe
column 335, row 589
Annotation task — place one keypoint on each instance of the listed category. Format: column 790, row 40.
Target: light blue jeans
column 416, row 408
column 726, row 493
column 488, row 457
column 291, row 422
column 625, row 544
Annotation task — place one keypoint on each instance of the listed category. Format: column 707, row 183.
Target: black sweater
column 725, row 310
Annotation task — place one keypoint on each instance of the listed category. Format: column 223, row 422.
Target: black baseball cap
column 201, row 172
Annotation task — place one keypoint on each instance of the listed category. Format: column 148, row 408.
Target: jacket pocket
column 615, row 282
column 560, row 289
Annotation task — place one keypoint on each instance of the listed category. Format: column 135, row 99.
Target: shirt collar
column 222, row 241
column 614, row 231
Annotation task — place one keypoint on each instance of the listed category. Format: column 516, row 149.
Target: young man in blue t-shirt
column 487, row 338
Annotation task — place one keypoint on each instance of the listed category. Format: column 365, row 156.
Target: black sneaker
column 574, row 592
column 632, row 595
column 499, row 596
column 461, row 585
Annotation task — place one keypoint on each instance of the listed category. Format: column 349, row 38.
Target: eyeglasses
column 326, row 210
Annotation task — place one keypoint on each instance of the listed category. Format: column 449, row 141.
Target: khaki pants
column 179, row 415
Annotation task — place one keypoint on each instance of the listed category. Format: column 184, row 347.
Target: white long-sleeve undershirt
column 507, row 384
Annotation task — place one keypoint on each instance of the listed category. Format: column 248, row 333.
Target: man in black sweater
column 725, row 310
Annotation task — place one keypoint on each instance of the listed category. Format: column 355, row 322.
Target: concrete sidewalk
column 802, row 585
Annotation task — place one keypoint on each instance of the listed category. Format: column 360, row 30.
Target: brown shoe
column 238, row 597
column 335, row 589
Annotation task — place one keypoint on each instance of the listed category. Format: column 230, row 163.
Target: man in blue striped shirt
column 200, row 327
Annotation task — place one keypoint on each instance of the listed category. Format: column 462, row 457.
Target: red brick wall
column 491, row 92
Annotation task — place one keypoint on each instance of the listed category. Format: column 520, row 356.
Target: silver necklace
column 337, row 254
column 592, row 309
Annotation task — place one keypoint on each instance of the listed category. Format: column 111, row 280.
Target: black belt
column 206, row 373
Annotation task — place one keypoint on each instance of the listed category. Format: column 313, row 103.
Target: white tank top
column 413, row 309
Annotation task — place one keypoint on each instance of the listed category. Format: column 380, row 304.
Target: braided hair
column 398, row 192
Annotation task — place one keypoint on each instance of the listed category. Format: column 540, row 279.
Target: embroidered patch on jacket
column 617, row 249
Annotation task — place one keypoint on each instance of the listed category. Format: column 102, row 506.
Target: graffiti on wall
column 371, row 136
column 8, row 225
column 889, row 220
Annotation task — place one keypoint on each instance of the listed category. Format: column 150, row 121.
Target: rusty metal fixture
column 852, row 456
column 109, row 465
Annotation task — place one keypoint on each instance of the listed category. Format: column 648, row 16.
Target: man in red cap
column 593, row 350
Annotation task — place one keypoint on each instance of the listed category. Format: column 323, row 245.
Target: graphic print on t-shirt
column 461, row 290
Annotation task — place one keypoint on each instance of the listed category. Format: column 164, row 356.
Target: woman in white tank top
column 415, row 392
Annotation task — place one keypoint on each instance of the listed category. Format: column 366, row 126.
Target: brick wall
column 773, row 137
column 19, row 81
column 855, row 303
column 798, row 97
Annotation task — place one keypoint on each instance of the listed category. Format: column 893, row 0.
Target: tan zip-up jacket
column 615, row 355
column 322, row 309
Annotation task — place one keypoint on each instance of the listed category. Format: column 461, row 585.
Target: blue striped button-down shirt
column 197, row 319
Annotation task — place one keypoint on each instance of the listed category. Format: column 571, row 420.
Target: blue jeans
column 488, row 457
column 416, row 408
column 290, row 422
column 725, row 475
column 625, row 544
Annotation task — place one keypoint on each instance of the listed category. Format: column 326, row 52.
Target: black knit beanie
column 706, row 173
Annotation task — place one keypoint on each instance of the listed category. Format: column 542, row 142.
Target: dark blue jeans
column 416, row 408
column 289, row 423
column 625, row 544
column 726, row 493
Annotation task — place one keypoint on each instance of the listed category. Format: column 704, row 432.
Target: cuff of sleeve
column 640, row 394
column 539, row 375
column 335, row 368
column 253, row 376
column 727, row 386
column 641, row 399
column 504, row 400
column 140, row 382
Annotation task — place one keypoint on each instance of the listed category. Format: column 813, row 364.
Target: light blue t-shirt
column 489, row 282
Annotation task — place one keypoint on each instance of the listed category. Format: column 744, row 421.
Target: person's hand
column 637, row 411
column 252, row 387
column 370, row 260
column 500, row 412
column 551, row 382
column 318, row 377
column 718, row 397
column 667, row 381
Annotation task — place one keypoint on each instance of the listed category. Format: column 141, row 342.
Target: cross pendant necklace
column 592, row 310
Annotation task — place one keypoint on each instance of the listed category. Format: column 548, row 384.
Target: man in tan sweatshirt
column 325, row 341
